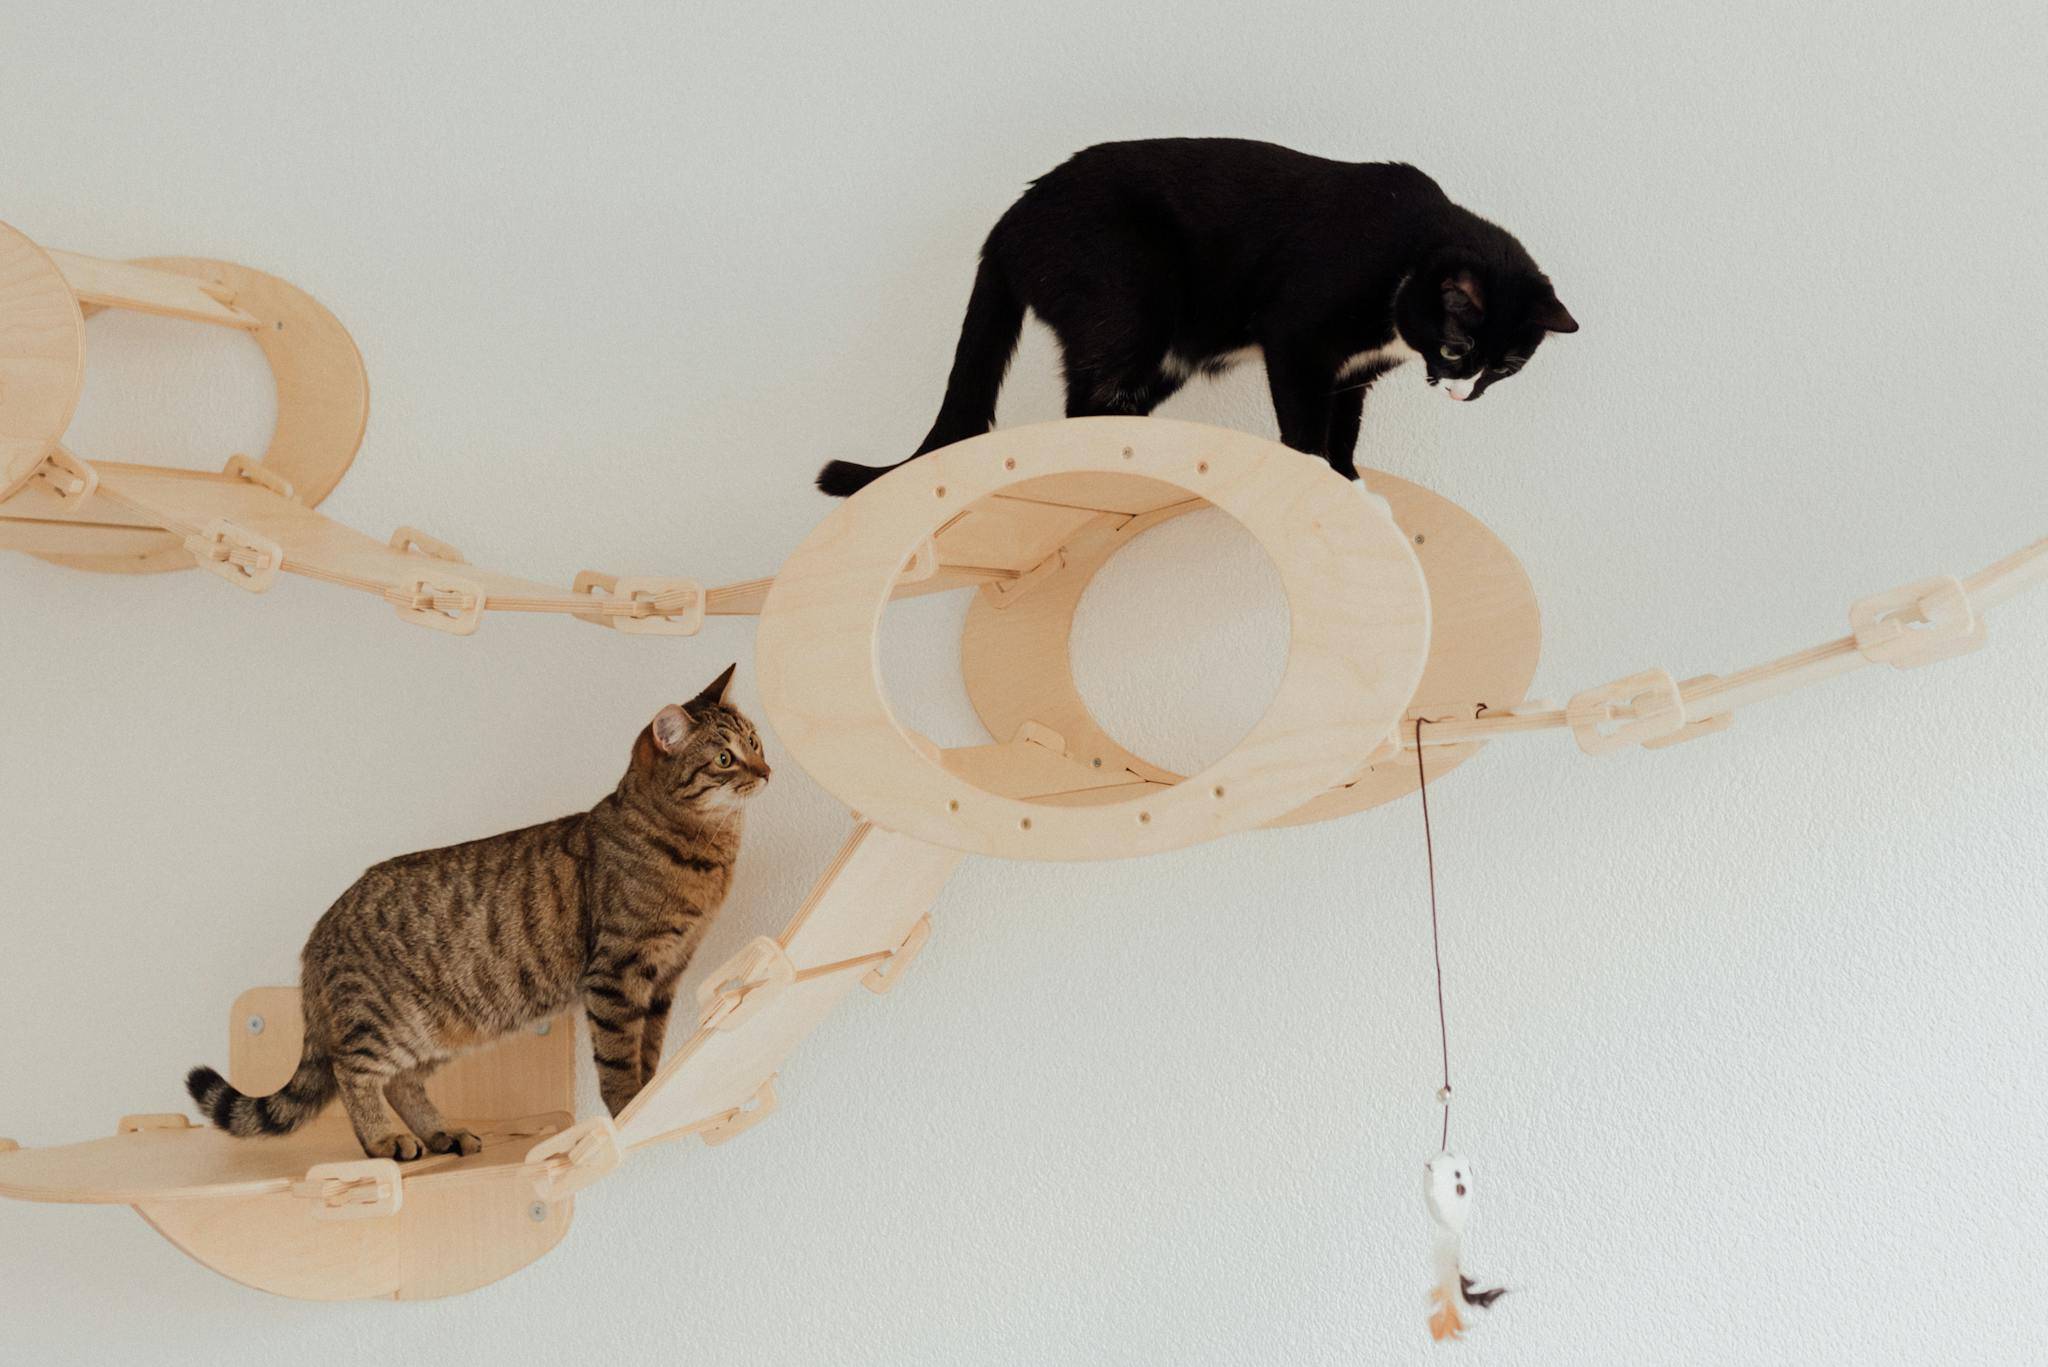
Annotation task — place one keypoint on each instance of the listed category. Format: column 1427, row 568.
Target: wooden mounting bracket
column 1695, row 727
column 72, row 480
column 136, row 1124
column 421, row 603
column 883, row 977
column 236, row 554
column 646, row 605
column 737, row 1121
column 406, row 540
column 241, row 467
column 1647, row 706
column 570, row 1161
column 744, row 984
column 1917, row 623
column 365, row 1189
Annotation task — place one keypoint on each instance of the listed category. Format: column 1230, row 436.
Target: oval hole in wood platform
column 164, row 391
column 1180, row 640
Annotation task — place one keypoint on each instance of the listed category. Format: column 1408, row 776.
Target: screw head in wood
column 537, row 1212
column 255, row 1025
column 543, row 1028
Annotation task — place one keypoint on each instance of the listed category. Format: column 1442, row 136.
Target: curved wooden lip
column 1350, row 577
column 39, row 385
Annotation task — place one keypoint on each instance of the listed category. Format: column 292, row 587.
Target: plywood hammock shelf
column 1404, row 607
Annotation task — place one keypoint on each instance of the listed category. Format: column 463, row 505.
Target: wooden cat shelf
column 1403, row 608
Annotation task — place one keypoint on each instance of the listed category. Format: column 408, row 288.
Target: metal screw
column 1097, row 761
column 255, row 1025
column 537, row 1212
column 1418, row 538
column 543, row 1027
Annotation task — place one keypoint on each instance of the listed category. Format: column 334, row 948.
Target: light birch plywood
column 446, row 1239
column 1358, row 615
column 239, row 1206
column 42, row 358
column 518, row 1089
column 875, row 893
column 124, row 285
column 323, row 393
column 1485, row 635
column 262, row 529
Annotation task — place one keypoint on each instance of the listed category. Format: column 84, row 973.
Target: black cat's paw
column 464, row 1142
column 401, row 1148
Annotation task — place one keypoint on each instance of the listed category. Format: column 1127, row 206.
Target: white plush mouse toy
column 1447, row 1189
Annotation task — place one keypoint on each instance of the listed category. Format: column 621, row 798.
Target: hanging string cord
column 1436, row 943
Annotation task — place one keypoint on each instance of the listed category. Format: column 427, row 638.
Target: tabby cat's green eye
column 725, row 759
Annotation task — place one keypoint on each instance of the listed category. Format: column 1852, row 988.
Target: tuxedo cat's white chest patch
column 1379, row 358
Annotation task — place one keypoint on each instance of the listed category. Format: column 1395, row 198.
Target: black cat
column 1153, row 261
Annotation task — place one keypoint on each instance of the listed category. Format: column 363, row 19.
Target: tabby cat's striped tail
column 304, row 1097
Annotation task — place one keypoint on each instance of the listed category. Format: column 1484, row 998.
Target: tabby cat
column 1155, row 261
column 433, row 954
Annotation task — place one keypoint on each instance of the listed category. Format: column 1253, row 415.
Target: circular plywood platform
column 1359, row 637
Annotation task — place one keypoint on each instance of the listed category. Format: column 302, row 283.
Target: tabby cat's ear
column 670, row 728
column 1556, row 318
column 714, row 694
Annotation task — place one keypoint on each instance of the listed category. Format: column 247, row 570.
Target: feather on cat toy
column 1447, row 1191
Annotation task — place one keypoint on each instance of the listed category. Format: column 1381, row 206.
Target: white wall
column 1747, row 1034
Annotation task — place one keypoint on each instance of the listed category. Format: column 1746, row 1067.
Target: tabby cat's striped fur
column 433, row 954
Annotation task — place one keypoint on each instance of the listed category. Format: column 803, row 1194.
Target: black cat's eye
column 725, row 759
column 1453, row 353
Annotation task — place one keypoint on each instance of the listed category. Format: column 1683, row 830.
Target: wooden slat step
column 116, row 284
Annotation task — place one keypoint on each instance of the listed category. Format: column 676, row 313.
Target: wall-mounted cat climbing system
column 1402, row 608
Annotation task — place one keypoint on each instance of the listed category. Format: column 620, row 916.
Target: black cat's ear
column 1555, row 317
column 714, row 694
column 1462, row 295
column 670, row 728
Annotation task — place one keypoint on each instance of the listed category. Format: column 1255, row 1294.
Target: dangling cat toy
column 1447, row 1189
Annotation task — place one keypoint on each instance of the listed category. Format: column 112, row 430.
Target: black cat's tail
column 304, row 1097
column 988, row 338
